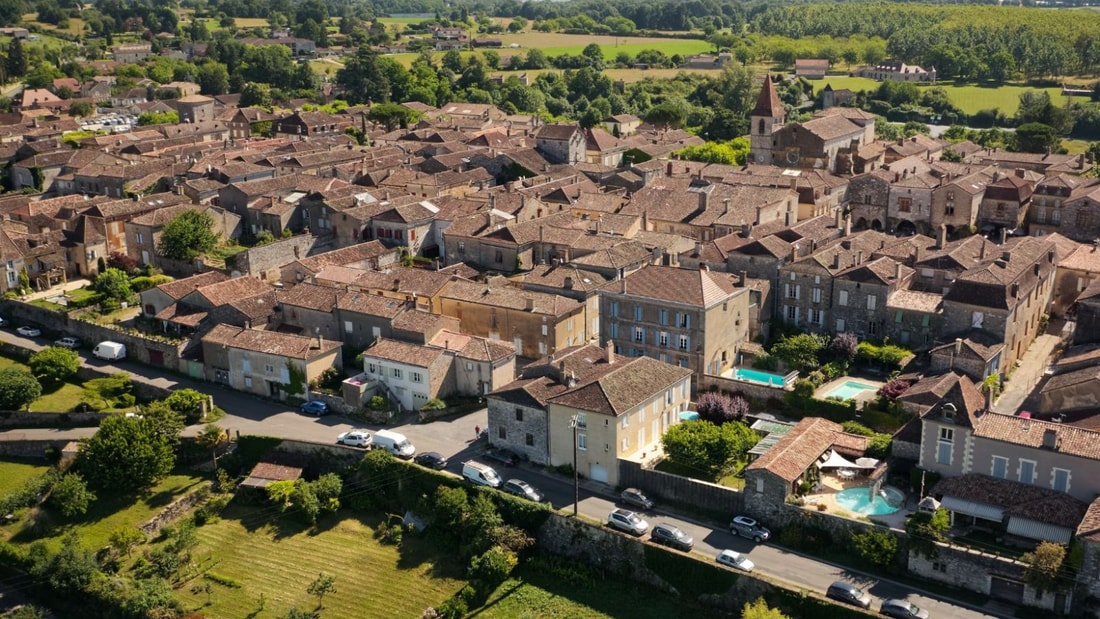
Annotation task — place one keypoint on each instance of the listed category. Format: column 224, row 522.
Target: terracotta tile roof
column 230, row 290
column 257, row 306
column 555, row 276
column 346, row 256
column 310, row 296
column 1084, row 258
column 404, row 279
column 1074, row 377
column 369, row 304
column 926, row 302
column 623, row 387
column 182, row 287
column 978, row 344
column 511, row 297
column 1015, row 498
column 831, row 127
column 1090, row 524
column 691, row 286
column 485, row 349
column 622, row 254
column 800, row 448
column 1069, row 440
column 403, row 352
column 269, row 342
column 419, row 321
column 557, row 132
column 930, row 390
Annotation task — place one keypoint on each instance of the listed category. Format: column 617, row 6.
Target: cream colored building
column 266, row 363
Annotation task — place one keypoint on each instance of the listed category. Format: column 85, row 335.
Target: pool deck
column 865, row 396
column 826, row 495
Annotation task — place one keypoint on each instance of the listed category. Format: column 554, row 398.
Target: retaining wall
column 974, row 571
column 665, row 487
column 16, row 448
column 25, row 419
column 754, row 391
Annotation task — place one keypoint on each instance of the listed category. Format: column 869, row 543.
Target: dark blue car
column 315, row 407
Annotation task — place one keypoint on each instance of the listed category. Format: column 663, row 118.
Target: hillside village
column 562, row 275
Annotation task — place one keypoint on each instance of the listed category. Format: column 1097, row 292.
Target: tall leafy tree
column 187, row 235
column 18, row 388
column 17, row 59
column 126, row 453
column 54, row 365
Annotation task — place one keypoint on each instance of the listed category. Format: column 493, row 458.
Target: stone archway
column 876, row 225
column 906, row 228
column 861, row 223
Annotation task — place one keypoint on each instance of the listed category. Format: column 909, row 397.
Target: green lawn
column 105, row 514
column 970, row 99
column 13, row 474
column 62, row 400
column 277, row 561
column 532, row 593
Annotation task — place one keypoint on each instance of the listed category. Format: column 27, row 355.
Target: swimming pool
column 689, row 416
column 849, row 389
column 774, row 380
column 858, row 500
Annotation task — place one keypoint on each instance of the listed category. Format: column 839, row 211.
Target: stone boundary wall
column 138, row 347
column 177, row 508
column 142, row 390
column 974, row 570
column 665, row 487
column 266, row 261
column 754, row 391
column 15, row 447
column 25, row 419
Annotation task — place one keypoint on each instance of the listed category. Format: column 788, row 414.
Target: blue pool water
column 761, row 377
column 849, row 389
column 888, row 501
column 689, row 416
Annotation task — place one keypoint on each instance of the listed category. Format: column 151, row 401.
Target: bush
column 113, row 284
column 844, row 346
column 379, row 403
column 435, row 404
column 765, row 362
column 18, row 388
column 854, row 427
column 893, row 389
column 188, row 403
column 799, row 351
column 145, row 282
column 886, row 354
column 718, row 408
column 54, row 365
column 70, row 495
column 877, row 547
column 879, row 446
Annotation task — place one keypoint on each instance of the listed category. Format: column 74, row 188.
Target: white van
column 394, row 443
column 109, row 351
column 480, row 474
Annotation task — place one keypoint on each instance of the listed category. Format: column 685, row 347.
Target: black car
column 672, row 536
column 849, row 594
column 523, row 489
column 502, row 455
column 431, row 459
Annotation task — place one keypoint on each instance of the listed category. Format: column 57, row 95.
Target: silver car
column 627, row 521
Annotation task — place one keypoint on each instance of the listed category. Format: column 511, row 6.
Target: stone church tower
column 767, row 118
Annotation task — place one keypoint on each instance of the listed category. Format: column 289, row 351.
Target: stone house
column 622, row 125
column 861, row 299
column 957, row 199
column 620, row 414
column 1078, row 217
column 143, row 232
column 421, row 288
column 1074, row 390
column 369, row 255
column 978, row 355
column 910, row 205
column 266, row 363
column 198, row 305
column 363, row 317
column 535, row 323
column 157, row 299
column 480, row 364
column 561, row 144
column 694, row 318
column 308, row 309
column 1006, row 201
column 250, row 122
column 303, row 125
column 194, row 108
column 778, row 473
column 131, row 53
column 408, row 226
column 1007, row 296
column 869, row 199
column 1088, row 315
column 811, row 68
column 898, row 71
column 1075, row 273
column 413, row 374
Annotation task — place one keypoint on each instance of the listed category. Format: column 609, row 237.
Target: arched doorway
column 906, row 228
column 876, row 225
column 861, row 223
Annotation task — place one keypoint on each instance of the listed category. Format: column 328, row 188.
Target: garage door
column 1007, row 590
column 597, row 473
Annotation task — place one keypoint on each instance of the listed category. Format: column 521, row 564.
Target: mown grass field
column 14, row 473
column 970, row 98
column 76, row 25
column 532, row 594
column 104, row 515
column 276, row 561
column 62, row 400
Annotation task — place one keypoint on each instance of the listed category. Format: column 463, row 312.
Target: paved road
column 455, row 439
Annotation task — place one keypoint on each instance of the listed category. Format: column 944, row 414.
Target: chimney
column 320, row 341
column 859, row 257
column 668, row 169
column 529, row 304
column 704, row 199
column 941, row 236
column 839, row 218
column 746, row 230
column 561, row 372
column 703, row 266
column 1019, row 172
column 568, row 285
column 1015, row 290
column 897, row 270
column 836, row 260
column 958, row 346
column 848, row 226
column 981, row 253
column 699, row 250
column 396, row 284
column 1050, row 439
column 1004, row 236
column 609, row 352
column 794, row 253
column 725, row 206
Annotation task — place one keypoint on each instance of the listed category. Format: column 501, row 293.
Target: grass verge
column 14, row 473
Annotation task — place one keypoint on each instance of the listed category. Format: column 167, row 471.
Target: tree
column 126, row 453
column 53, row 365
column 210, row 437
column 706, row 447
column 123, row 539
column 113, row 284
column 188, row 403
column 68, row 571
column 926, row 529
column 876, row 546
column 799, row 351
column 166, row 422
column 893, row 389
column 393, row 115
column 718, row 408
column 213, row 79
column 1037, row 138
column 322, row 586
column 189, row 234
column 17, row 59
column 26, row 611
column 122, row 262
column 1044, row 566
column 760, row 610
column 18, row 388
column 844, row 345
column 70, row 495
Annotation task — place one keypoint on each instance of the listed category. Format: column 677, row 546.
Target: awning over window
column 970, row 508
column 1031, row 529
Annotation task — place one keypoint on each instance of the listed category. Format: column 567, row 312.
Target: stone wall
column 142, row 390
column 24, row 419
column 754, row 391
column 323, row 457
column 177, row 508
column 150, row 350
column 974, row 571
column 265, row 261
column 667, row 488
column 16, row 447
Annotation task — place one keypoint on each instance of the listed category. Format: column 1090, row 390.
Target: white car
column 627, row 521
column 355, row 438
column 28, row 331
column 736, row 560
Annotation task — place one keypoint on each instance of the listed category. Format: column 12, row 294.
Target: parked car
column 26, row 331
column 627, row 521
column 72, row 343
column 902, row 609
column 523, row 489
column 109, row 351
column 744, row 526
column 502, row 455
column 431, row 459
column 480, row 474
column 736, row 560
column 395, row 443
column 355, row 438
column 673, row 536
column 633, row 496
column 314, row 407
column 849, row 594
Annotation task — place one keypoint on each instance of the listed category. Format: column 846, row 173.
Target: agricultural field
column 14, row 473
column 62, row 400
column 970, row 98
column 76, row 25
column 276, row 560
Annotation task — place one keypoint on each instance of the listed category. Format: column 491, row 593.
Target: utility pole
column 573, row 422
